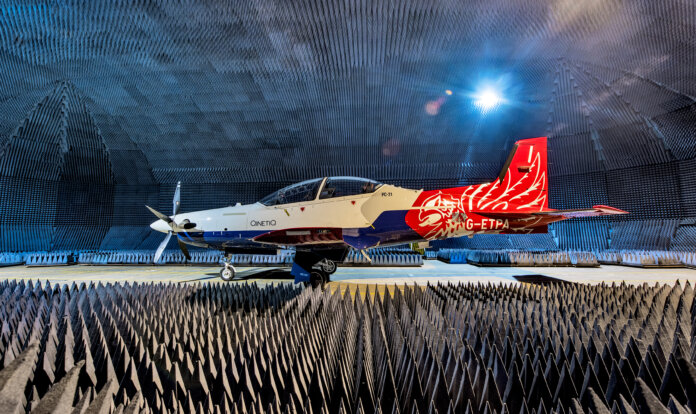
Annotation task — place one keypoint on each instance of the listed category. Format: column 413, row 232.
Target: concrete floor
column 432, row 271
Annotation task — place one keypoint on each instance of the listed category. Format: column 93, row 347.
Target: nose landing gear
column 228, row 271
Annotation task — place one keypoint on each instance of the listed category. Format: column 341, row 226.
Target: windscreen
column 304, row 191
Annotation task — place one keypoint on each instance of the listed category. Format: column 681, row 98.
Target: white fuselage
column 349, row 212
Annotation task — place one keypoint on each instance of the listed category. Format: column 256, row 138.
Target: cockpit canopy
column 330, row 187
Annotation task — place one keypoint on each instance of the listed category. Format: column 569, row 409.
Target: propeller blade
column 184, row 249
column 177, row 198
column 161, row 247
column 160, row 215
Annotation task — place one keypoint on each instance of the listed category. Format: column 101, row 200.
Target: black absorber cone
column 443, row 348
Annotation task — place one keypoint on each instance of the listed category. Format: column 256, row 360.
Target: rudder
column 525, row 175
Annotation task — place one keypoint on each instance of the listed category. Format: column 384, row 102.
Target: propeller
column 177, row 199
column 162, row 246
column 175, row 227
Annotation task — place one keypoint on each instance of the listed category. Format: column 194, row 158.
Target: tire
column 328, row 266
column 317, row 279
column 227, row 273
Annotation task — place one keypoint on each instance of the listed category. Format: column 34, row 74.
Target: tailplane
column 555, row 215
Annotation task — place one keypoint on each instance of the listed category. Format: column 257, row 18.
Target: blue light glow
column 487, row 99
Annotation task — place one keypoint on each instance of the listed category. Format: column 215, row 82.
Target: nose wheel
column 227, row 272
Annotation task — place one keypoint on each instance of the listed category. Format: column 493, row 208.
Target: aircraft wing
column 297, row 236
column 598, row 210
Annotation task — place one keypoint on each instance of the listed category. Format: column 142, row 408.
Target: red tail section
column 521, row 187
column 523, row 184
column 516, row 202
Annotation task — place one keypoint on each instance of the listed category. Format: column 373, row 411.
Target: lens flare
column 487, row 99
column 432, row 108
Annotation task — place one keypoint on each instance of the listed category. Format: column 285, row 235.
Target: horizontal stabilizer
column 595, row 211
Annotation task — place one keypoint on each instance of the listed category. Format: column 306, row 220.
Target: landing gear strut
column 227, row 272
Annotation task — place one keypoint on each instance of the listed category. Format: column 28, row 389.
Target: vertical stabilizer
column 524, row 177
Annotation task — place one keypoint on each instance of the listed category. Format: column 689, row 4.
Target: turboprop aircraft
column 324, row 217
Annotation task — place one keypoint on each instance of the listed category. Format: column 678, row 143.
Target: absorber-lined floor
column 441, row 348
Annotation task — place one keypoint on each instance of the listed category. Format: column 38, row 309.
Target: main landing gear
column 318, row 278
column 313, row 269
column 327, row 266
column 321, row 273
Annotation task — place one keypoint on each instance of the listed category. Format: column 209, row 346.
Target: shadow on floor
column 540, row 279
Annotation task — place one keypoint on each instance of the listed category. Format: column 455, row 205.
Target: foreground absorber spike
column 277, row 348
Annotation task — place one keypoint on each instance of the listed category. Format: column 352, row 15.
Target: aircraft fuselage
column 361, row 213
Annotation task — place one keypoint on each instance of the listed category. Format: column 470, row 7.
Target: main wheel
column 227, row 273
column 318, row 279
column 328, row 266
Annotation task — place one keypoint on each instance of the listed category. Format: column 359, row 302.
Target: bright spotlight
column 448, row 92
column 487, row 99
